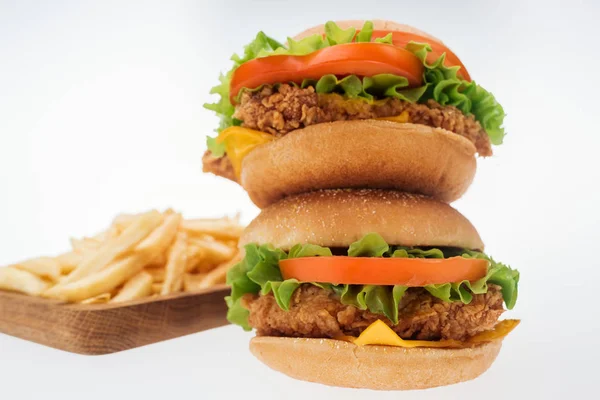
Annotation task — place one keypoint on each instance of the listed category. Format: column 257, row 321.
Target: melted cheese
column 402, row 118
column 239, row 142
column 379, row 333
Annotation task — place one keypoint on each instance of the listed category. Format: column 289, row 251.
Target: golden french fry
column 176, row 263
column 99, row 282
column 157, row 273
column 191, row 282
column 156, row 288
column 69, row 261
column 21, row 281
column 139, row 229
column 138, row 286
column 159, row 261
column 195, row 256
column 222, row 228
column 100, row 299
column 216, row 252
column 141, row 255
column 218, row 274
column 162, row 236
column 122, row 221
column 231, row 243
column 205, row 266
column 44, row 267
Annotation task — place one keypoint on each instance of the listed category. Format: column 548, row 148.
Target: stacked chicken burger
column 352, row 138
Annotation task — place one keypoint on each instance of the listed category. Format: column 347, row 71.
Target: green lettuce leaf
column 282, row 291
column 217, row 149
column 383, row 300
column 259, row 272
column 336, row 35
column 409, row 252
column 309, row 250
column 498, row 274
column 367, row 88
column 236, row 314
column 371, row 245
column 365, row 33
column 386, row 39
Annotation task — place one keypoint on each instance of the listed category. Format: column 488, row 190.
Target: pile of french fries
column 149, row 254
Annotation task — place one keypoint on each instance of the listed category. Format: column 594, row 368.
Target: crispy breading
column 285, row 108
column 219, row 166
column 318, row 313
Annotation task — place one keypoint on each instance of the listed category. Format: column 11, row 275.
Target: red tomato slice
column 383, row 271
column 401, row 39
column 362, row 59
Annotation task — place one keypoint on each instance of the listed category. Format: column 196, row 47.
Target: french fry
column 157, row 273
column 99, row 282
column 216, row 252
column 204, row 266
column 140, row 255
column 231, row 243
column 222, row 228
column 195, row 256
column 138, row 286
column 122, row 221
column 159, row 261
column 21, row 281
column 100, row 299
column 191, row 282
column 175, row 267
column 156, row 288
column 69, row 261
column 139, row 229
column 218, row 274
column 162, row 236
column 44, row 267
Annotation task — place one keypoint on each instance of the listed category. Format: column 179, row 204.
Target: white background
column 101, row 112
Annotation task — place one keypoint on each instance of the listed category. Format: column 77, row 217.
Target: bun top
column 378, row 25
column 337, row 218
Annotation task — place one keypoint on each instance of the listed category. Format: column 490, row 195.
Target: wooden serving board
column 108, row 328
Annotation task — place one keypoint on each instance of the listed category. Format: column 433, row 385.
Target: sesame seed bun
column 337, row 218
column 340, row 363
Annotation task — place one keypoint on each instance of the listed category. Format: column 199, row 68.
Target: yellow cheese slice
column 402, row 118
column 379, row 333
column 239, row 142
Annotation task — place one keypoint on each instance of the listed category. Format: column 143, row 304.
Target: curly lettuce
column 259, row 272
column 444, row 86
column 441, row 83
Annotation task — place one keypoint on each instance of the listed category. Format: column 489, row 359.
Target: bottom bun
column 338, row 363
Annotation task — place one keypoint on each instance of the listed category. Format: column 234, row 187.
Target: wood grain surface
column 109, row 328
